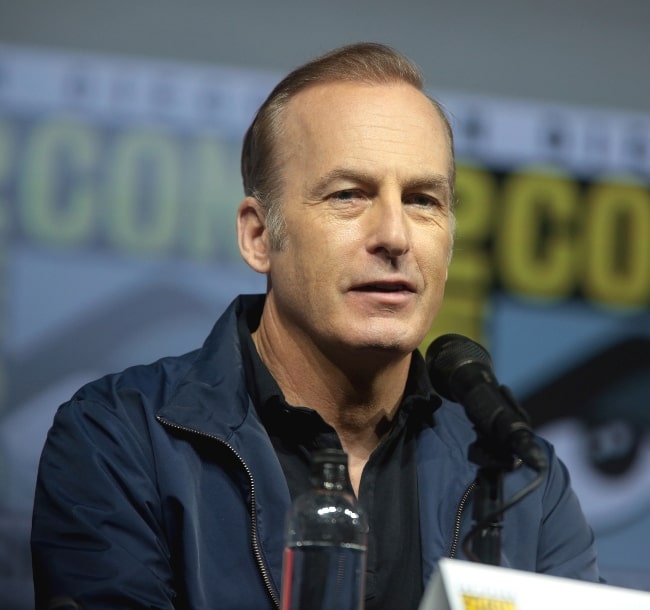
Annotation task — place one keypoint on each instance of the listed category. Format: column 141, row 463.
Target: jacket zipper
column 461, row 507
column 253, row 510
column 459, row 514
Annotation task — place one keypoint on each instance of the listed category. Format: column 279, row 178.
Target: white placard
column 461, row 585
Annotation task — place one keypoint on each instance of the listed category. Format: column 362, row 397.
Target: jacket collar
column 212, row 397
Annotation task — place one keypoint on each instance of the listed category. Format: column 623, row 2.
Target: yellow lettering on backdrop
column 618, row 244
column 535, row 246
column 55, row 187
column 144, row 193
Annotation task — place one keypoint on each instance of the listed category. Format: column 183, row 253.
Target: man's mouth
column 385, row 287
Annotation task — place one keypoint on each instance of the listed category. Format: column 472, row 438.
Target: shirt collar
column 419, row 397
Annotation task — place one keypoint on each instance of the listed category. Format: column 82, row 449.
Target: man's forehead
column 333, row 116
column 345, row 105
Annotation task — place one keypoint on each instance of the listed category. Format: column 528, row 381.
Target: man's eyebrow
column 435, row 181
column 341, row 173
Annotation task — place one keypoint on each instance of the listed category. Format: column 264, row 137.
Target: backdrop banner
column 119, row 183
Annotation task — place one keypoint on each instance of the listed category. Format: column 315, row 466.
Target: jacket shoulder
column 154, row 382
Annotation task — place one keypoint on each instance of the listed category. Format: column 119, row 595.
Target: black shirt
column 388, row 489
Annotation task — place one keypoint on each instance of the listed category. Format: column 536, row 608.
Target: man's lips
column 386, row 286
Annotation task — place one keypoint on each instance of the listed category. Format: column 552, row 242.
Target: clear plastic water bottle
column 325, row 542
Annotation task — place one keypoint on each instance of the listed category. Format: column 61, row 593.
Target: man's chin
column 386, row 345
column 381, row 340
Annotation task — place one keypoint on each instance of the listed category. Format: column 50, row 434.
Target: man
column 166, row 486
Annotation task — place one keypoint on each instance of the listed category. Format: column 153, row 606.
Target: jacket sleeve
column 566, row 542
column 97, row 536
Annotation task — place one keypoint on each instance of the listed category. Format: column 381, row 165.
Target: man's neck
column 358, row 395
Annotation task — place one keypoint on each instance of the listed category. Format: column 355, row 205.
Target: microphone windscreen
column 447, row 354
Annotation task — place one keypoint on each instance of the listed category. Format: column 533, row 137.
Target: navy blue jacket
column 159, row 488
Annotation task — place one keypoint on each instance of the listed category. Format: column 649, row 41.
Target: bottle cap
column 329, row 456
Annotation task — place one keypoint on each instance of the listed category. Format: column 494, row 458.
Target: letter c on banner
column 535, row 245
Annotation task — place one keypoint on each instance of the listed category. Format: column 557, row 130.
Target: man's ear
column 252, row 235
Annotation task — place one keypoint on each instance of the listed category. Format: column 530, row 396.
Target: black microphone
column 461, row 371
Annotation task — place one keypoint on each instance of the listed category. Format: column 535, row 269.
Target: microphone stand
column 493, row 462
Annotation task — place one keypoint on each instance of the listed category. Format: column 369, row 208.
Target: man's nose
column 389, row 231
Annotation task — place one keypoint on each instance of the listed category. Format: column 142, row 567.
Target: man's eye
column 421, row 200
column 347, row 195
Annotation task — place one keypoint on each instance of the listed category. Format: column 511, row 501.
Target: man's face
column 366, row 200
